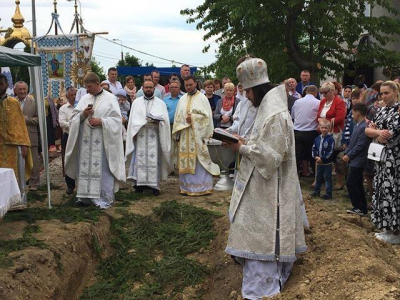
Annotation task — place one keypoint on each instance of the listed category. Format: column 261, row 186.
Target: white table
column 9, row 191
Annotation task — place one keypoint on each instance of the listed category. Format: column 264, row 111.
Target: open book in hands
column 154, row 118
column 224, row 136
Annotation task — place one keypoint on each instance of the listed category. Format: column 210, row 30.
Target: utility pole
column 122, row 51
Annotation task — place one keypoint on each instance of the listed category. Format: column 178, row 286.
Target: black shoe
column 138, row 189
column 356, row 211
column 82, row 204
column 314, row 194
column 156, row 192
column 70, row 191
column 326, row 197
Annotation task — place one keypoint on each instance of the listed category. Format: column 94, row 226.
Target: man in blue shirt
column 172, row 100
column 304, row 82
column 148, row 77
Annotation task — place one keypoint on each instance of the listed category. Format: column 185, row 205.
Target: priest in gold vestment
column 193, row 125
column 13, row 133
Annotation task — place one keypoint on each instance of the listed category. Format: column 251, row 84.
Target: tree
column 96, row 68
column 292, row 35
column 21, row 73
column 129, row 61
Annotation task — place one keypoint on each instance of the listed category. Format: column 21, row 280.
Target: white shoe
column 389, row 238
column 383, row 232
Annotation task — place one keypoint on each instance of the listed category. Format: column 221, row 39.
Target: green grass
column 43, row 188
column 36, row 197
column 151, row 253
column 65, row 214
column 124, row 199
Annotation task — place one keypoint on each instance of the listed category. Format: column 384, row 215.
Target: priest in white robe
column 193, row 125
column 266, row 231
column 148, row 142
column 94, row 155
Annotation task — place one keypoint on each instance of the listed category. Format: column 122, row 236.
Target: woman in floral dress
column 385, row 129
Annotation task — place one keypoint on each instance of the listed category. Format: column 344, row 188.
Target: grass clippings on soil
column 27, row 240
column 150, row 259
column 67, row 212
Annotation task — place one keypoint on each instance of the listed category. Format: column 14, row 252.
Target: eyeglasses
column 324, row 92
column 148, row 87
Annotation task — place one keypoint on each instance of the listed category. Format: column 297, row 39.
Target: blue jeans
column 324, row 172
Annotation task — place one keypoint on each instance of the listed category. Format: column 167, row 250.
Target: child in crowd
column 356, row 156
column 322, row 152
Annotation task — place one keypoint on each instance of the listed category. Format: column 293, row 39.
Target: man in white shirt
column 155, row 75
column 112, row 80
column 291, row 84
column 64, row 115
column 304, row 114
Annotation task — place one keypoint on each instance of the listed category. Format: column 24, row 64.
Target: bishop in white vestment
column 193, row 125
column 94, row 156
column 148, row 142
column 266, row 231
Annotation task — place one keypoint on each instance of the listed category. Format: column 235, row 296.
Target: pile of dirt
column 61, row 268
column 343, row 261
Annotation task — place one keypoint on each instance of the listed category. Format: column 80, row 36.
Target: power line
column 142, row 52
column 108, row 59
column 127, row 47
column 111, row 57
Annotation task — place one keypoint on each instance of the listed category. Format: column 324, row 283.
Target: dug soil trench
column 343, row 261
column 58, row 269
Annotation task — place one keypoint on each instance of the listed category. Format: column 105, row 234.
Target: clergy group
column 102, row 138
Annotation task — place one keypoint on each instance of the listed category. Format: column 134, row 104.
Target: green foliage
column 129, row 61
column 125, row 199
column 293, row 35
column 96, row 68
column 21, row 73
column 63, row 213
column 36, row 197
column 150, row 253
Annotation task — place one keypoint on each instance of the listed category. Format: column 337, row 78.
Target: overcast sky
column 154, row 27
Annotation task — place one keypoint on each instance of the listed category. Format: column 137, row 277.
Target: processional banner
column 65, row 61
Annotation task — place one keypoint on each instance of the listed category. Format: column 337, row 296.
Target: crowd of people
column 284, row 132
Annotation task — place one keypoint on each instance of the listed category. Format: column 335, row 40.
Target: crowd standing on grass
column 295, row 129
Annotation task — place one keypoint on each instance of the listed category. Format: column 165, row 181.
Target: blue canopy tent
column 135, row 71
